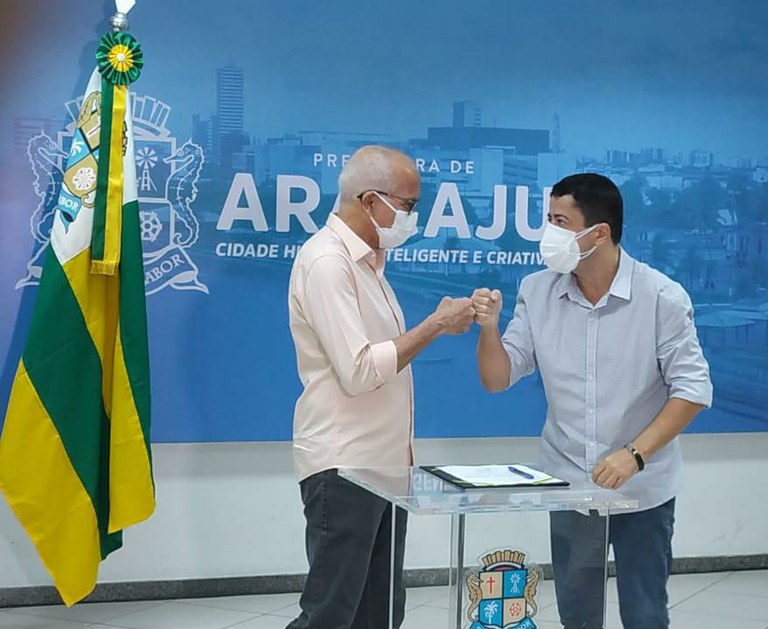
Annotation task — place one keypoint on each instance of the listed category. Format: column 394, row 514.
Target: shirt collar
column 357, row 247
column 564, row 284
column 621, row 286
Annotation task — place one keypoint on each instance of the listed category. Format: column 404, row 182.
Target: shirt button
column 591, row 377
column 591, row 444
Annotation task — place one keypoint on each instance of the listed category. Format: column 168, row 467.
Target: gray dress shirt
column 608, row 369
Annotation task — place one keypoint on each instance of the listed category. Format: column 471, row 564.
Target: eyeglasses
column 406, row 204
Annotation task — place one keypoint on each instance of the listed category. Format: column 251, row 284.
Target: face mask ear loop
column 390, row 206
column 584, row 232
column 586, row 254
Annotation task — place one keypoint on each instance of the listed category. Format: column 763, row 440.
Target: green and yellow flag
column 75, row 462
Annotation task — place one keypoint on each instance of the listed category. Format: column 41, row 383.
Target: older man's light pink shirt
column 356, row 410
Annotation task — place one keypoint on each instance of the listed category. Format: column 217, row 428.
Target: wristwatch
column 636, row 453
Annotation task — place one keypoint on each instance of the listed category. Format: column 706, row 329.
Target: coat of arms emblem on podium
column 502, row 594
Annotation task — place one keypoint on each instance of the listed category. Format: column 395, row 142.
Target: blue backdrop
column 244, row 115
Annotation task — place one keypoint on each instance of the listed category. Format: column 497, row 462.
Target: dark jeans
column 642, row 548
column 348, row 548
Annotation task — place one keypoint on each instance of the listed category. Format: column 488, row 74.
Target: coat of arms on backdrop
column 502, row 595
column 167, row 177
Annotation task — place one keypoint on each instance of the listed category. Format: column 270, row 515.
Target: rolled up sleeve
column 331, row 306
column 518, row 341
column 681, row 359
column 385, row 359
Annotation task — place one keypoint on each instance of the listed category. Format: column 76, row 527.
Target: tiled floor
column 699, row 601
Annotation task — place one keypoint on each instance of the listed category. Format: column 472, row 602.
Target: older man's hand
column 455, row 316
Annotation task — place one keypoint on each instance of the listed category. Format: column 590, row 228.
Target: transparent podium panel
column 524, row 558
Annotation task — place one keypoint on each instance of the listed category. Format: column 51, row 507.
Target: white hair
column 370, row 168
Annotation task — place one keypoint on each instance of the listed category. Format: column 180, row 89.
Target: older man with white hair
column 356, row 410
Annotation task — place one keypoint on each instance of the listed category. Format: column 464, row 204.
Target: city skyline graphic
column 495, row 103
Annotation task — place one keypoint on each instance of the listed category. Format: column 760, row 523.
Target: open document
column 469, row 476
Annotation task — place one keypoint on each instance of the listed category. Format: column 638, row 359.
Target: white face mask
column 560, row 250
column 402, row 228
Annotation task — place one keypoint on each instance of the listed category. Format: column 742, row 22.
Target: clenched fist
column 455, row 316
column 487, row 304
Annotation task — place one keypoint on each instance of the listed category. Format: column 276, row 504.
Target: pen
column 512, row 468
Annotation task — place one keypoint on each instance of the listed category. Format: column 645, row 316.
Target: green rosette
column 119, row 58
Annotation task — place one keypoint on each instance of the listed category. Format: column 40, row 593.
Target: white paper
column 498, row 475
